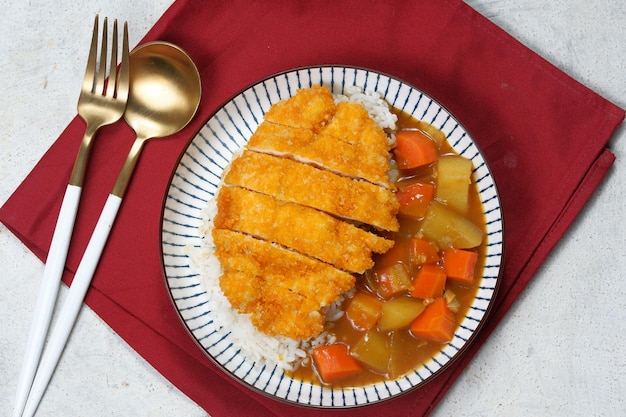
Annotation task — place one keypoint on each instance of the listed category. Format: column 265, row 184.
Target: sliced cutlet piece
column 285, row 292
column 282, row 312
column 241, row 289
column 352, row 123
column 295, row 182
column 301, row 228
column 310, row 108
column 309, row 277
column 322, row 150
column 277, row 311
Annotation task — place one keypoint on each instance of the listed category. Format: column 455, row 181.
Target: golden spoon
column 164, row 96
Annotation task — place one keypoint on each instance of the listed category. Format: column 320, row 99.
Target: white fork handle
column 73, row 302
column 52, row 273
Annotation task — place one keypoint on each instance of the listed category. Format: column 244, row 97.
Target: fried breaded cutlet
column 323, row 150
column 295, row 182
column 300, row 210
column 301, row 228
column 310, row 108
column 257, row 271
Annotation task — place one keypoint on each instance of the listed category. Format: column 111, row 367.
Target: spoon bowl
column 164, row 96
column 164, row 90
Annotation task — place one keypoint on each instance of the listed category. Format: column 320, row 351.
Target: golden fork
column 100, row 103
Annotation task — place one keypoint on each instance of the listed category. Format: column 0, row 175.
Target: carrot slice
column 423, row 251
column 415, row 198
column 414, row 149
column 334, row 362
column 460, row 264
column 430, row 282
column 436, row 323
column 393, row 280
column 399, row 253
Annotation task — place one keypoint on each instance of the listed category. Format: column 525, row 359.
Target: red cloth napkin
column 543, row 134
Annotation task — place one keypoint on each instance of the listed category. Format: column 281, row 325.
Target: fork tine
column 90, row 71
column 101, row 75
column 112, row 83
column 123, row 81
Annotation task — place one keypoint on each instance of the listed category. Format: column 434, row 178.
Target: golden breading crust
column 310, row 108
column 277, row 311
column 352, row 124
column 323, row 150
column 304, row 229
column 300, row 183
column 306, row 276
column 284, row 292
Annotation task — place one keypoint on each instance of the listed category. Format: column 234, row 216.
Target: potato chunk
column 448, row 228
column 399, row 313
column 453, row 180
column 374, row 350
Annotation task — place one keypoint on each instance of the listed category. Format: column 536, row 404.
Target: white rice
column 258, row 347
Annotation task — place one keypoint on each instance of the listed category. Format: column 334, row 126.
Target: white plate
column 195, row 181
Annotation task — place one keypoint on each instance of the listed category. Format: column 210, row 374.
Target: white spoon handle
column 73, row 303
column 52, row 273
